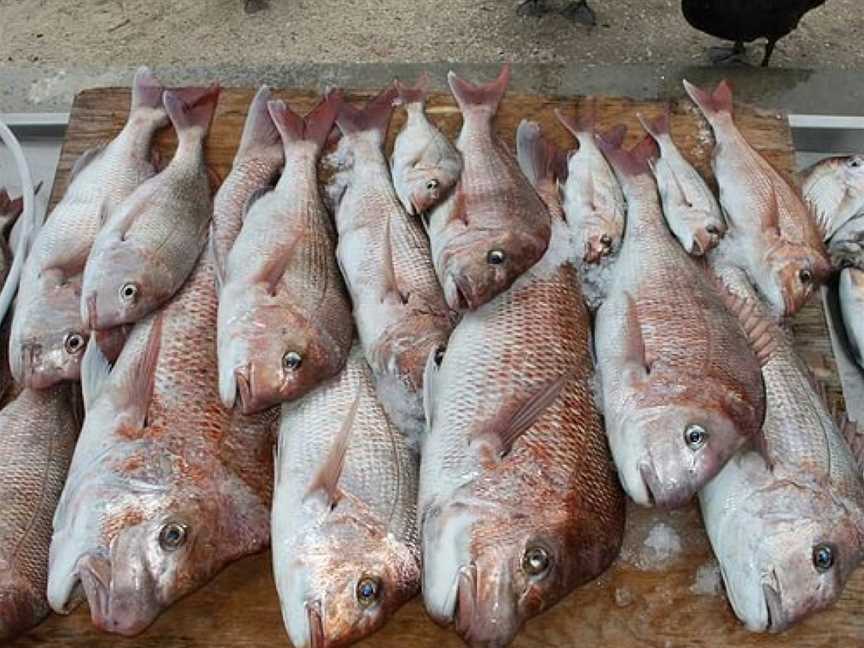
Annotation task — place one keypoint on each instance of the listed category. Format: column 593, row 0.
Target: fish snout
column 121, row 608
column 663, row 493
column 455, row 295
column 486, row 610
column 243, row 377
column 776, row 619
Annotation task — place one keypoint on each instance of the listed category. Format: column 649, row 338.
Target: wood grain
column 651, row 597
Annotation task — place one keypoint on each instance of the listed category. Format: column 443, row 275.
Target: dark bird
column 743, row 21
column 577, row 10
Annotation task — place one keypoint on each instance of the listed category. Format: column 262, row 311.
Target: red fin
column 259, row 132
column 758, row 327
column 192, row 108
column 712, row 104
column 580, row 124
column 516, row 423
column 614, row 136
column 274, row 267
column 416, row 93
column 375, row 116
column 315, row 126
column 146, row 89
column 327, row 478
column 540, row 160
column 634, row 162
column 487, row 95
column 658, row 126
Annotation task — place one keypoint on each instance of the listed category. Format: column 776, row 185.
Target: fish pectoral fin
column 429, row 375
column 326, row 480
column 135, row 386
column 85, row 159
column 390, row 283
column 509, row 426
column 634, row 356
column 771, row 220
column 275, row 265
column 95, row 373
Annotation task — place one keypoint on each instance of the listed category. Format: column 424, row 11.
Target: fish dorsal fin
column 95, row 373
column 758, row 327
column 85, row 159
column 507, row 431
column 256, row 195
column 326, row 480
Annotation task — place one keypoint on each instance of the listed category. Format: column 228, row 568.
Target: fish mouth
column 455, row 295
column 317, row 638
column 108, row 612
column 775, row 620
column 658, row 495
column 484, row 617
column 243, row 394
column 705, row 239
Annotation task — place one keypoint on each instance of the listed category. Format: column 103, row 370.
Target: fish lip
column 455, row 294
column 776, row 621
column 659, row 497
column 95, row 576
column 244, row 389
column 466, row 599
column 317, row 637
column 472, row 623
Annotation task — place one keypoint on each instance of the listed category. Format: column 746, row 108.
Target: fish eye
column 73, row 343
column 496, row 257
column 823, row 557
column 536, row 561
column 695, row 436
column 432, row 184
column 291, row 361
column 606, row 241
column 368, row 591
column 856, row 162
column 172, row 536
column 712, row 229
column 439, row 355
column 805, row 276
column 129, row 291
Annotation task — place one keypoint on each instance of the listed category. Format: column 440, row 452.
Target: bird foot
column 532, row 8
column 728, row 56
column 581, row 13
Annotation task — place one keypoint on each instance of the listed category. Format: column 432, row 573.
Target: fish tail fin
column 415, row 94
column 314, row 127
column 374, row 116
column 485, row 95
column 581, row 125
column 540, row 160
column 657, row 127
column 712, row 104
column 259, row 132
column 630, row 163
column 146, row 89
column 191, row 110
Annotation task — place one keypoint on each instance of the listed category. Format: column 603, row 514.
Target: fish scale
column 39, row 432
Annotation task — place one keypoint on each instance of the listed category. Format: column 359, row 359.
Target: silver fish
column 852, row 310
column 345, row 543
column 834, row 190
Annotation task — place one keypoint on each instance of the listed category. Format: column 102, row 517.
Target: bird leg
column 580, row 12
column 769, row 50
column 534, row 8
column 735, row 55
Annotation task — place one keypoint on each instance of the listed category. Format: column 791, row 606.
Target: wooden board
column 663, row 591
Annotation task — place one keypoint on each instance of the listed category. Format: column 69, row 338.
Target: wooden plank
column 663, row 591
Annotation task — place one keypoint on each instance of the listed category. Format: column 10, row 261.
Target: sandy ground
column 60, row 34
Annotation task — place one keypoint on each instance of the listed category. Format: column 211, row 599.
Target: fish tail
column 259, row 132
column 657, row 127
column 712, row 104
column 374, row 116
column 191, row 109
column 540, row 160
column 581, row 125
column 146, row 89
column 314, row 127
column 415, row 94
column 487, row 95
column 634, row 162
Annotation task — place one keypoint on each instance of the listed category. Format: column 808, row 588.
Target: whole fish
column 852, row 310
column 346, row 552
column 775, row 239
column 425, row 165
column 150, row 244
column 284, row 317
column 786, row 520
column 383, row 253
column 48, row 336
column 38, row 436
column 519, row 503
column 167, row 486
column 593, row 201
column 689, row 205
column 492, row 227
column 681, row 388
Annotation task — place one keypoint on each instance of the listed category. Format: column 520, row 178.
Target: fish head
column 123, row 285
column 794, row 554
column 487, row 262
column 426, row 186
column 828, row 187
column 702, row 231
column 668, row 452
column 342, row 583
column 47, row 341
column 277, row 356
column 796, row 272
column 489, row 567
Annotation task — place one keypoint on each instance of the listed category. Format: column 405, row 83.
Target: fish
column 346, row 552
column 593, row 200
column 785, row 517
column 689, row 205
column 493, row 226
column 48, row 335
column 851, row 293
column 425, row 166
column 39, row 433
column 681, row 388
column 284, row 316
column 776, row 240
column 384, row 257
column 150, row 244
column 519, row 503
column 138, row 525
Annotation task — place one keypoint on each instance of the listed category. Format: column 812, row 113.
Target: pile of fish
column 460, row 356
